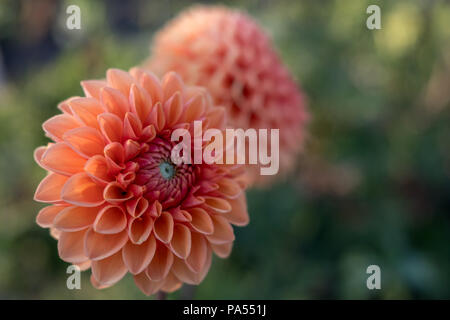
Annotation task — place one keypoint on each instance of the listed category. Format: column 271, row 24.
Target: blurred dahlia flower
column 118, row 203
column 227, row 52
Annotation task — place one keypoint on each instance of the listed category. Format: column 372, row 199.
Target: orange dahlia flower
column 118, row 203
column 227, row 52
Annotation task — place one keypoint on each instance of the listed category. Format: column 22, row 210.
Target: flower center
column 164, row 181
column 167, row 170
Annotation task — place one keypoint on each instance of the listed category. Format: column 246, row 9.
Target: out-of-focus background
column 373, row 186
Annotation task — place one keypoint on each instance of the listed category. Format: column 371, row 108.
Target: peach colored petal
column 81, row 190
column 164, row 227
column 115, row 194
column 60, row 158
column 109, row 270
column 132, row 126
column 146, row 285
column 140, row 228
column 115, row 156
column 223, row 232
column 47, row 215
column 75, row 218
column 138, row 257
column 110, row 219
column 111, row 126
column 182, row 272
column 97, row 168
column 86, row 110
column 98, row 246
column 171, row 83
column 239, row 214
column 114, row 101
column 171, row 283
column 217, row 118
column 194, row 108
column 140, row 101
column 161, row 263
column 85, row 265
column 201, row 221
column 156, row 209
column 97, row 284
column 157, row 117
column 49, row 190
column 151, row 84
column 222, row 250
column 229, row 188
column 181, row 241
column 199, row 251
column 137, row 206
column 70, row 246
column 173, row 109
column 120, row 80
column 37, row 154
column 56, row 126
column 92, row 88
column 86, row 141
column 218, row 205
column 131, row 149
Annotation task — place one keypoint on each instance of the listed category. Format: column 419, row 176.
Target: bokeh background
column 372, row 186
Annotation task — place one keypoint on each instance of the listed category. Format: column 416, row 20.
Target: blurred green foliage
column 372, row 186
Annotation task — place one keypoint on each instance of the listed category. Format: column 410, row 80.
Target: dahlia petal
column 60, row 158
column 157, row 117
column 146, row 285
column 120, row 80
column 131, row 149
column 132, row 126
column 97, row 168
column 98, row 246
column 70, row 246
column 151, row 84
column 223, row 232
column 56, row 126
column 97, row 284
column 92, row 88
column 115, row 194
column 171, row 283
column 55, row 233
column 86, row 141
column 86, row 110
column 229, row 188
column 222, row 250
column 163, row 227
column 137, row 206
column 197, row 257
column 173, row 109
column 49, row 190
column 171, row 83
column 140, row 102
column 85, row 265
column 74, row 218
column 156, row 209
column 181, row 241
column 194, row 108
column 138, row 256
column 181, row 215
column 115, row 155
column 218, row 205
column 37, row 154
column 139, row 229
column 161, row 263
column 201, row 221
column 64, row 107
column 109, row 270
column 239, row 214
column 182, row 272
column 148, row 133
column 47, row 215
column 111, row 126
column 81, row 190
column 110, row 220
column 114, row 101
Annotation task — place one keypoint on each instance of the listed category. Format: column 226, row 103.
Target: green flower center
column 167, row 170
